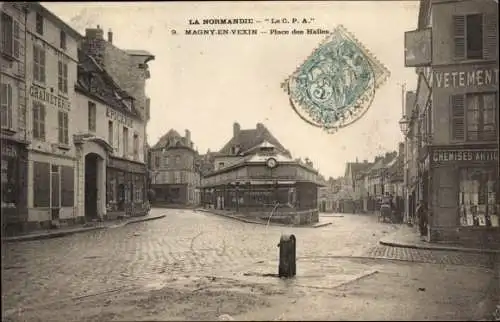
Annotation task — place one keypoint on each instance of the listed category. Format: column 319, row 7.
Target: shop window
column 41, row 177
column 478, row 197
column 6, row 105
column 9, row 188
column 67, row 186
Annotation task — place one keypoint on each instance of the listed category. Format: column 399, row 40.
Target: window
column 39, row 23
column 41, row 174
column 39, row 64
column 63, row 77
column 177, row 177
column 110, row 133
column 221, row 164
column 177, row 159
column 6, row 105
column 92, row 116
column 67, row 186
column 9, row 180
column 136, row 145
column 473, row 117
column 468, row 32
column 62, row 117
column 125, row 141
column 39, row 121
column 62, row 40
column 478, row 197
column 157, row 161
column 167, row 160
column 10, row 35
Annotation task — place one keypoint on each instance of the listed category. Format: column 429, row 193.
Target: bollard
column 287, row 261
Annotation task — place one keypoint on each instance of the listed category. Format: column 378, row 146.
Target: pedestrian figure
column 422, row 218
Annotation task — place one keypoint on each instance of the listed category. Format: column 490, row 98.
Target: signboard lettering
column 44, row 96
column 418, row 48
column 9, row 150
column 455, row 79
column 114, row 115
column 464, row 155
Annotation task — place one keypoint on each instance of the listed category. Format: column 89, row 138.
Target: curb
column 454, row 249
column 249, row 221
column 68, row 233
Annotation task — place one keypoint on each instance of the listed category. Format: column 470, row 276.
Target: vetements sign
column 464, row 155
column 465, row 79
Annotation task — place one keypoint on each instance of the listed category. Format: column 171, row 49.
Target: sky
column 206, row 83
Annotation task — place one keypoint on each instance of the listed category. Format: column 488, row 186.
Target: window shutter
column 66, row 129
column 41, row 116
column 59, row 75
column 458, row 117
column 490, row 38
column 35, row 63
column 65, row 78
column 459, row 36
column 16, row 40
column 9, row 106
column 42, row 65
column 61, row 125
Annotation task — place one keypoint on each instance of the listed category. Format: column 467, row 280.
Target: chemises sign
column 46, row 97
column 119, row 117
column 465, row 79
column 464, row 155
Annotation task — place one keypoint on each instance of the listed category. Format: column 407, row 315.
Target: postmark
column 336, row 84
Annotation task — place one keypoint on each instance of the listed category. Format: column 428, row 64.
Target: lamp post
column 404, row 126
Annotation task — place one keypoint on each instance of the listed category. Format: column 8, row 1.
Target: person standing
column 422, row 218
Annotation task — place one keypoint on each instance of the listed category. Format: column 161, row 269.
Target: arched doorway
column 92, row 185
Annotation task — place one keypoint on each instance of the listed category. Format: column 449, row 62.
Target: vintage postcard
column 250, row 160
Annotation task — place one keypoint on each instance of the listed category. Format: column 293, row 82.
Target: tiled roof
column 171, row 139
column 248, row 139
column 93, row 80
column 357, row 167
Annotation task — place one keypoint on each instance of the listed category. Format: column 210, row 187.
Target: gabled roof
column 172, row 139
column 94, row 81
column 357, row 168
column 249, row 139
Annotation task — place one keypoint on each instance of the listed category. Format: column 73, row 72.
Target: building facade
column 457, row 113
column 13, row 102
column 175, row 171
column 255, row 175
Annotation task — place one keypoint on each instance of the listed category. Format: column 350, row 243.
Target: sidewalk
column 243, row 218
column 54, row 233
column 406, row 237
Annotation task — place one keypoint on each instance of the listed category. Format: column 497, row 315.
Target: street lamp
column 403, row 125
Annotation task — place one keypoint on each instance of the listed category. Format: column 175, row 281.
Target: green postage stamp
column 336, row 84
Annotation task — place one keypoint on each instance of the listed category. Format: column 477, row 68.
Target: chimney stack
column 110, row 36
column 236, row 129
column 188, row 137
column 260, row 126
column 94, row 33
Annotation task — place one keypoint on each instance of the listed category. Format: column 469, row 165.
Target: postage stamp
column 336, row 84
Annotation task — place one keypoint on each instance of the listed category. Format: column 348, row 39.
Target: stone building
column 175, row 171
column 255, row 175
column 456, row 113
column 51, row 71
column 13, row 102
column 109, row 140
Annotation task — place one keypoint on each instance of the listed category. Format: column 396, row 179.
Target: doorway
column 323, row 206
column 91, row 185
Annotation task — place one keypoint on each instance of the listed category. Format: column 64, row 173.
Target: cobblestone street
column 185, row 245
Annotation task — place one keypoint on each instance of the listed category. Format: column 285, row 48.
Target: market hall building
column 457, row 105
column 256, row 176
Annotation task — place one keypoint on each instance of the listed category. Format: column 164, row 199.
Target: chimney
column 236, row 129
column 188, row 137
column 260, row 126
column 110, row 36
column 94, row 33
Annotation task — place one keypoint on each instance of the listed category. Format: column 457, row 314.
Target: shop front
column 125, row 188
column 14, row 165
column 288, row 191
column 465, row 205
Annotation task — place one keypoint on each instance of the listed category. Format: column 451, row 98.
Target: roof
column 138, row 52
column 171, row 139
column 357, row 167
column 37, row 6
column 94, row 81
column 248, row 139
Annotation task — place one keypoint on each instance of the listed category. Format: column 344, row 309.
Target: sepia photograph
column 250, row 160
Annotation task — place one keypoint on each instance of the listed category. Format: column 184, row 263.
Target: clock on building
column 271, row 163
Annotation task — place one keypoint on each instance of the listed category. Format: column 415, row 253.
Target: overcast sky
column 205, row 83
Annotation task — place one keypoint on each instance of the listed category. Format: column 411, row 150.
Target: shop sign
column 418, row 47
column 119, row 117
column 464, row 155
column 464, row 79
column 126, row 165
column 46, row 97
column 9, row 150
